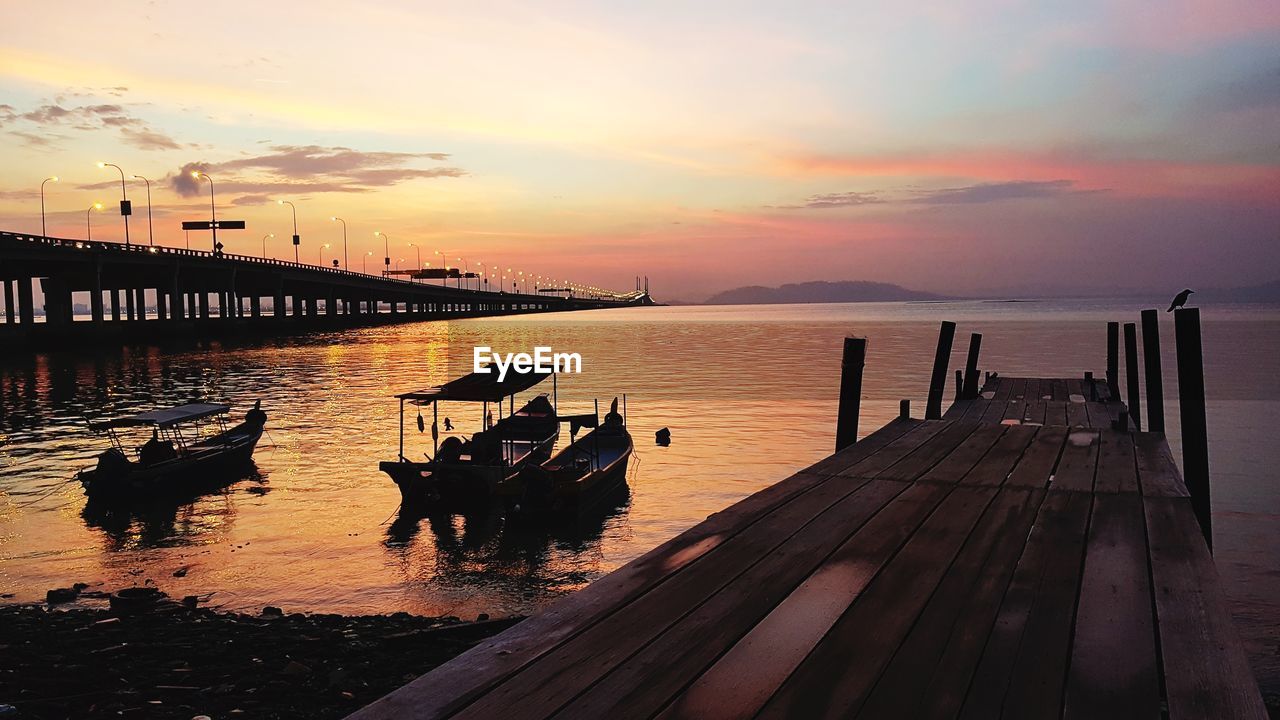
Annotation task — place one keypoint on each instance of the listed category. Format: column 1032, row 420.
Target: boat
column 461, row 472
column 180, row 458
column 580, row 475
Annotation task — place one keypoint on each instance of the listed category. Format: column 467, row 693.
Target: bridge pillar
column 203, row 298
column 95, row 295
column 57, row 301
column 309, row 306
column 297, row 306
column 142, row 303
column 128, row 304
column 115, row 304
column 26, row 302
column 161, row 310
column 175, row 298
column 278, row 301
column 8, row 302
column 255, row 306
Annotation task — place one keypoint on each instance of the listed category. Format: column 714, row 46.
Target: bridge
column 134, row 292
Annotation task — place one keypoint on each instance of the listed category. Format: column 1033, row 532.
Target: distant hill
column 1264, row 293
column 819, row 292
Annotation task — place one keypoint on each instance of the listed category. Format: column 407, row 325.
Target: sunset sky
column 998, row 148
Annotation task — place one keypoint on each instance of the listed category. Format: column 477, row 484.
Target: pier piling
column 1151, row 359
column 851, row 365
column 1191, row 410
column 1131, row 374
column 938, row 382
column 971, row 367
column 1113, row 358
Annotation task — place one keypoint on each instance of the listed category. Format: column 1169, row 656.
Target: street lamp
column 419, row 251
column 51, row 178
column 213, row 208
column 264, row 244
column 151, row 235
column 398, row 261
column 322, row 249
column 466, row 270
column 125, row 208
column 345, row 262
column 296, row 240
column 482, row 278
column 386, row 247
column 364, row 262
column 88, row 226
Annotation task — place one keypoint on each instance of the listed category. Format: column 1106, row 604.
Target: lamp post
column 264, row 244
column 419, row 251
column 51, row 178
column 125, row 209
column 482, row 279
column 466, row 270
column 346, row 263
column 364, row 263
column 386, row 247
column 213, row 208
column 398, row 261
column 151, row 235
column 88, row 226
column 296, row 240
column 322, row 249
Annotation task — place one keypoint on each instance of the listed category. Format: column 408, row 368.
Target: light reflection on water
column 749, row 395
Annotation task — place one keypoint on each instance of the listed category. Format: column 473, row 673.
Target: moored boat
column 580, row 474
column 191, row 449
column 462, row 472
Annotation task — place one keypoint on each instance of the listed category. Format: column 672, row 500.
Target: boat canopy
column 478, row 387
column 166, row 418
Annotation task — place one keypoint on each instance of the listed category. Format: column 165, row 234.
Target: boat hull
column 430, row 485
column 212, row 464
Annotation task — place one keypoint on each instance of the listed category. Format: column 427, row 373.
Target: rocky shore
column 168, row 659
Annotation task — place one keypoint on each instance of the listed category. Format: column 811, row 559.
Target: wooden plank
column 1077, row 415
column 969, row 592
column 1035, row 412
column 895, row 450
column 839, row 672
column 1036, row 464
column 1005, row 388
column 961, row 460
column 1023, row 666
column 763, row 651
column 995, row 466
column 1207, row 674
column 646, row 681
column 1059, row 390
column 928, row 454
column 1033, row 390
column 1101, row 415
column 1113, row 672
column 1055, row 412
column 554, row 678
column 976, row 408
column 863, row 448
column 1015, row 410
column 459, row 681
column 1158, row 474
column 1117, row 467
column 1078, row 465
column 1075, row 386
column 994, row 412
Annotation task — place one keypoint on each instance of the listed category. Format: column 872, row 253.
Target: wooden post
column 959, row 384
column 1195, row 430
column 1113, row 359
column 904, row 409
column 971, row 367
column 1131, row 374
column 1093, row 388
column 938, row 383
column 855, row 357
column 1155, row 381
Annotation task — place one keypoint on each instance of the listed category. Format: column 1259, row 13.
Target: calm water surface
column 748, row 392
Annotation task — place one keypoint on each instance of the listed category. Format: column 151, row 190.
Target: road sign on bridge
column 210, row 225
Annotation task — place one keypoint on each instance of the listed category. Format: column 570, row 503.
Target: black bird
column 1180, row 300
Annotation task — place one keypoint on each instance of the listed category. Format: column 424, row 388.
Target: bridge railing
column 116, row 247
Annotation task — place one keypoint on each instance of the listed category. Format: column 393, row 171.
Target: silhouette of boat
column 464, row 472
column 579, row 475
column 176, row 460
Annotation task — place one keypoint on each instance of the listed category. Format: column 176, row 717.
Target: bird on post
column 1180, row 300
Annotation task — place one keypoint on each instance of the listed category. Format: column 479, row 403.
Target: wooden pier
column 1025, row 555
